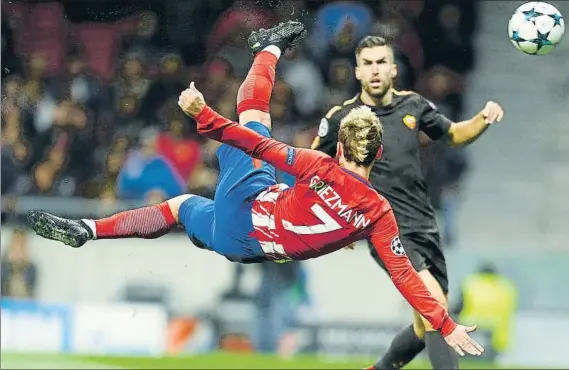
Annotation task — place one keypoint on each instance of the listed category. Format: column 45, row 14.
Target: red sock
column 255, row 92
column 147, row 223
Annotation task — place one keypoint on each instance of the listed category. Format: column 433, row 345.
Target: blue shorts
column 224, row 224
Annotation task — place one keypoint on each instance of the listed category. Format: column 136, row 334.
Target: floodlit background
column 90, row 126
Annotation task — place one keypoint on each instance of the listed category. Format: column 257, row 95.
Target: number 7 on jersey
column 328, row 223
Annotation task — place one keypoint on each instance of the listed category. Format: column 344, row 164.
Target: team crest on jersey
column 410, row 121
column 397, row 247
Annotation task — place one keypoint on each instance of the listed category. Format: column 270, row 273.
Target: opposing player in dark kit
column 254, row 219
column 398, row 177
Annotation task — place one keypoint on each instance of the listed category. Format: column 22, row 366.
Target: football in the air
column 536, row 28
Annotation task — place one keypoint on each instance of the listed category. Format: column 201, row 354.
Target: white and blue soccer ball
column 536, row 28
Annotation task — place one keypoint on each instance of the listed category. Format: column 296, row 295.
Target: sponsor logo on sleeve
column 290, row 156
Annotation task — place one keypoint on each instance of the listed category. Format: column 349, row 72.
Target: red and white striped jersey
column 328, row 208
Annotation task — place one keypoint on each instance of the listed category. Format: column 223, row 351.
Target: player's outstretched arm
column 465, row 132
column 436, row 125
column 386, row 241
column 294, row 161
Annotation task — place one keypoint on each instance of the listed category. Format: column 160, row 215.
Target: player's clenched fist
column 191, row 101
column 492, row 112
column 462, row 343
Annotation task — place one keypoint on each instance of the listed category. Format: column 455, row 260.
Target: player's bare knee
column 426, row 326
column 176, row 202
column 433, row 287
column 254, row 115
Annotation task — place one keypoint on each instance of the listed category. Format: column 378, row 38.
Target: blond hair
column 361, row 135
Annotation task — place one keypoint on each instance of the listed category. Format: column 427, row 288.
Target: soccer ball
column 536, row 28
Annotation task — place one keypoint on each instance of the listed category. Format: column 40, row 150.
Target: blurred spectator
column 106, row 179
column 337, row 29
column 68, row 130
column 305, row 80
column 489, row 299
column 146, row 171
column 17, row 124
column 182, row 152
column 341, row 86
column 168, row 84
column 46, row 180
column 129, row 90
column 19, row 273
column 34, row 86
column 77, row 84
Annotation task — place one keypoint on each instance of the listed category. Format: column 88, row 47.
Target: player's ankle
column 274, row 49
column 91, row 227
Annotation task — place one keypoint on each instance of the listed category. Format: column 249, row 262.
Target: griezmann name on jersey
column 398, row 175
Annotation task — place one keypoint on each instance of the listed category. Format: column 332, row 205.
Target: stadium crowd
column 89, row 89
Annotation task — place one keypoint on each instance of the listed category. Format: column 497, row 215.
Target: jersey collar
column 377, row 108
column 358, row 177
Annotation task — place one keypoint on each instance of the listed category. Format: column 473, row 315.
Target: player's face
column 376, row 70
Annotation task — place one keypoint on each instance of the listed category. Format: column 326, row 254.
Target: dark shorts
column 425, row 253
column 223, row 225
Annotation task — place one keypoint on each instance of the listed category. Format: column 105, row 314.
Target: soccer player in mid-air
column 398, row 177
column 254, row 219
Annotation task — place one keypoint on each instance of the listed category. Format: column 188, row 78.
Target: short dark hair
column 370, row 42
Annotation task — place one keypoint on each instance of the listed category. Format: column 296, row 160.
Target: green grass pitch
column 208, row 361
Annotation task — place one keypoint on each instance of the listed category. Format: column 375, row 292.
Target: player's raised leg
column 254, row 96
column 193, row 212
column 242, row 178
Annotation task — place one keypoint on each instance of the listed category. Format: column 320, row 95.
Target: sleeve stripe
column 352, row 100
column 332, row 111
column 315, row 143
column 338, row 107
column 403, row 92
